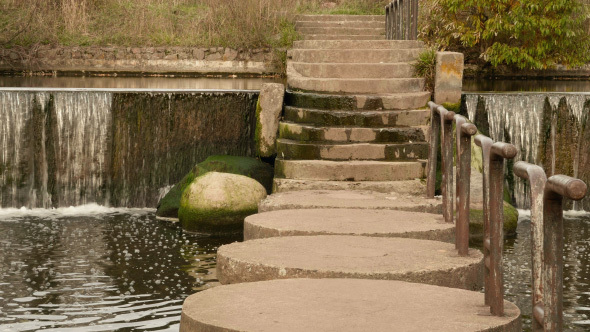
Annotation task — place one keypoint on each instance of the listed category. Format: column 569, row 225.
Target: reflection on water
column 481, row 85
column 98, row 269
column 517, row 272
column 138, row 82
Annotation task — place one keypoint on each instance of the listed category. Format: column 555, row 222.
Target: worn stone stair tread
column 339, row 24
column 343, row 305
column 353, row 18
column 344, row 37
column 348, row 199
column 400, row 187
column 344, row 30
column 295, row 131
column 345, row 256
column 289, row 149
column 356, row 85
column 353, row 70
column 354, row 55
column 357, row 170
column 373, row 223
column 361, row 102
column 356, row 118
column 360, row 44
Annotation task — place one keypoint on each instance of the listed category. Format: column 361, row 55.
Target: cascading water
column 115, row 147
column 548, row 129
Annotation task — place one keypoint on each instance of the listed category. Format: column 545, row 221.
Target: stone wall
column 156, row 60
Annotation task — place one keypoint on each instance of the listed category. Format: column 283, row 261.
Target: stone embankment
column 134, row 60
column 354, row 120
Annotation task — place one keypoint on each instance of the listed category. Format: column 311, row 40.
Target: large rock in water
column 250, row 167
column 217, row 203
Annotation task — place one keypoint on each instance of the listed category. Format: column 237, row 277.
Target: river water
column 93, row 268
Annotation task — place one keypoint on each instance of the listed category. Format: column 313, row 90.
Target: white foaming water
column 93, row 209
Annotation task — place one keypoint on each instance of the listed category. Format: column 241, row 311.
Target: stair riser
column 359, row 44
column 397, row 152
column 341, row 18
column 350, row 135
column 414, row 188
column 356, row 86
column 374, row 120
column 354, row 56
column 397, row 70
column 344, row 37
column 387, row 172
column 340, row 24
column 338, row 102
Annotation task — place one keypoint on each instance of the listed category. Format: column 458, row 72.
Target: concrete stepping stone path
column 376, row 223
column 342, row 305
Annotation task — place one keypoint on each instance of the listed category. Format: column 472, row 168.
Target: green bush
column 425, row 67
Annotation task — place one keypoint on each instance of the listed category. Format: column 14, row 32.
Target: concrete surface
column 321, row 199
column 407, row 187
column 268, row 114
column 376, row 223
column 448, row 82
column 342, row 305
column 359, row 257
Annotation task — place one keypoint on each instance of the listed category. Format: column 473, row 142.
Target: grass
column 425, row 67
column 195, row 23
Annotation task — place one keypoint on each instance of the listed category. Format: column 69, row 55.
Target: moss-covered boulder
column 476, row 222
column 217, row 203
column 250, row 167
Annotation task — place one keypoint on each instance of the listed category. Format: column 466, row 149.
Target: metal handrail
column 464, row 131
column 401, row 20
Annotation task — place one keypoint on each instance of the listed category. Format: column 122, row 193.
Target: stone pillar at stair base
column 268, row 114
column 448, row 81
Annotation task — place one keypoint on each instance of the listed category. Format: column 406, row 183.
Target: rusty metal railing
column 441, row 131
column 547, row 245
column 401, row 20
column 464, row 131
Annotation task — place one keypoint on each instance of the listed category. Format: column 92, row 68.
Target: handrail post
column 447, row 118
column 387, row 22
column 409, row 6
column 486, row 146
column 557, row 187
column 537, row 178
column 435, row 122
column 415, row 20
column 399, row 20
column 499, row 152
column 464, row 132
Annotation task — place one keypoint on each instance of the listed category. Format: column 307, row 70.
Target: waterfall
column 548, row 129
column 114, row 148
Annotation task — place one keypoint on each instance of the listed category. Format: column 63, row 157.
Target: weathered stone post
column 268, row 114
column 448, row 81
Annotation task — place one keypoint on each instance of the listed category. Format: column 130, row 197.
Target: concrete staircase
column 354, row 117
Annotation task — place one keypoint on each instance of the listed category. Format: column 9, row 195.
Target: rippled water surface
column 98, row 269
column 517, row 271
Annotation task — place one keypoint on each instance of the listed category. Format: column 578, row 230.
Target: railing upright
column 464, row 131
column 401, row 21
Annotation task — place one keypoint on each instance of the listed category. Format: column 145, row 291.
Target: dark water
column 138, row 82
column 97, row 269
column 480, row 85
column 517, row 271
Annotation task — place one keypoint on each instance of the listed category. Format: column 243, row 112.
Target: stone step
column 341, row 256
column 343, row 305
column 354, row 55
column 344, row 37
column 339, row 24
column 353, row 70
column 288, row 149
column 348, row 199
column 341, row 31
column 359, row 44
column 371, row 119
column 398, row 101
column 298, row 132
column 325, row 170
column 407, row 187
column 341, row 18
column 374, row 223
column 356, row 85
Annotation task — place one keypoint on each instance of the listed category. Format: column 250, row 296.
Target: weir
column 548, row 129
column 114, row 147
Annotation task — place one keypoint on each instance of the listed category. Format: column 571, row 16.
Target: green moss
column 476, row 222
column 213, row 222
column 250, row 167
column 258, row 129
column 453, row 107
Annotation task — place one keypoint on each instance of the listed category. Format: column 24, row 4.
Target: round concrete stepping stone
column 342, row 305
column 376, row 223
column 348, row 199
column 359, row 257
